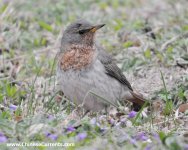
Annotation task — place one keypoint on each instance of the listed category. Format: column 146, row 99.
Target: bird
column 87, row 74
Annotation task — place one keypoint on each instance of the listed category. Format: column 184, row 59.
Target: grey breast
column 78, row 86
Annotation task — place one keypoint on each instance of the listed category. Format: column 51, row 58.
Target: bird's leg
column 85, row 113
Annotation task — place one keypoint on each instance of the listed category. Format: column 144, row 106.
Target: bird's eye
column 81, row 31
column 79, row 25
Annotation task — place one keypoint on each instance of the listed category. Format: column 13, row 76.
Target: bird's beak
column 95, row 28
column 91, row 29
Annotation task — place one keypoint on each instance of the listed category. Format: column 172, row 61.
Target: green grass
column 29, row 41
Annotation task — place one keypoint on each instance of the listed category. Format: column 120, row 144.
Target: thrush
column 87, row 74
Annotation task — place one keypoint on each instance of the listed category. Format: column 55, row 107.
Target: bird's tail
column 136, row 98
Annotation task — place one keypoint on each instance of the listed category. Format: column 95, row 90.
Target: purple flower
column 133, row 141
column 3, row 138
column 81, row 136
column 142, row 137
column 123, row 120
column 70, row 129
column 6, row 1
column 51, row 136
column 132, row 114
column 13, row 107
column 148, row 147
column 47, row 134
column 186, row 147
column 112, row 121
column 50, row 117
column 93, row 121
column 156, row 137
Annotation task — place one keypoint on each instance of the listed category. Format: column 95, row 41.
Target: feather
column 115, row 72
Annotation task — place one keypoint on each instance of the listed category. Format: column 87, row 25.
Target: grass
column 144, row 36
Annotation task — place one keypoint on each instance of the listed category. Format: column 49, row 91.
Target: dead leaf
column 183, row 107
column 157, row 107
column 18, row 118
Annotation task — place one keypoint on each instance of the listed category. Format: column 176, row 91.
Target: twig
column 4, row 78
column 169, row 42
column 169, row 120
column 6, row 11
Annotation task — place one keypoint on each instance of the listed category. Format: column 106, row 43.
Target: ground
column 148, row 38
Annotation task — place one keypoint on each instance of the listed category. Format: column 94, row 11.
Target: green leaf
column 168, row 107
column 3, row 8
column 1, row 97
column 18, row 112
column 138, row 24
column 162, row 136
column 103, row 5
column 36, row 42
column 118, row 24
column 115, row 4
column 128, row 44
column 169, row 104
column 5, row 115
column 185, row 28
column 181, row 94
column 160, row 56
column 43, row 41
column 147, row 53
column 45, row 26
column 11, row 91
column 170, row 50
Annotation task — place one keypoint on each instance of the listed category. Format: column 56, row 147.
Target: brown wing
column 111, row 68
column 114, row 71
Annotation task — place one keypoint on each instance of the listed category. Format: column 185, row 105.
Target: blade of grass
column 140, row 111
column 166, row 92
column 169, row 103
column 50, row 104
column 105, row 100
column 45, row 26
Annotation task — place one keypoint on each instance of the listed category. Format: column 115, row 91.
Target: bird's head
column 81, row 33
